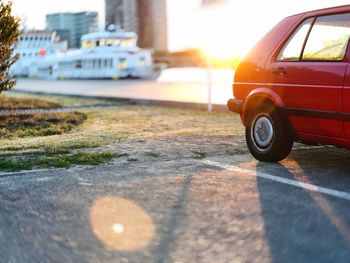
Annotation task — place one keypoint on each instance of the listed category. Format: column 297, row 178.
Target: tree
column 9, row 33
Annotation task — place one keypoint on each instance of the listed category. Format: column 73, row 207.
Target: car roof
column 323, row 11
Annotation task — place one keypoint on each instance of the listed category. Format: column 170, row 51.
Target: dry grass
column 60, row 161
column 16, row 103
column 148, row 122
column 121, row 130
column 38, row 124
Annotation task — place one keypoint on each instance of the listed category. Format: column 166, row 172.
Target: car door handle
column 279, row 71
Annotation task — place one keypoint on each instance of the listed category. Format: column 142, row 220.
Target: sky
column 35, row 10
column 234, row 26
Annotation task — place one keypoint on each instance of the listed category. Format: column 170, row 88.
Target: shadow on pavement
column 328, row 166
column 302, row 226
column 168, row 235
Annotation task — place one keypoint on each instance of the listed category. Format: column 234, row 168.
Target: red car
column 295, row 85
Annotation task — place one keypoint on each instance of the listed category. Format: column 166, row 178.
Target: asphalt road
column 225, row 208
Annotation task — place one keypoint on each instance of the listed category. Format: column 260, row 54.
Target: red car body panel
column 315, row 94
column 321, row 86
column 346, row 101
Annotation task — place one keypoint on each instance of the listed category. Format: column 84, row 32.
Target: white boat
column 104, row 55
column 33, row 47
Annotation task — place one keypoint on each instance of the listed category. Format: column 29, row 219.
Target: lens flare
column 121, row 224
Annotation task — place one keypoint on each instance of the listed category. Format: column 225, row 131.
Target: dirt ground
column 133, row 133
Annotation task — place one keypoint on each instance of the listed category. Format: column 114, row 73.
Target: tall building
column 71, row 26
column 122, row 13
column 147, row 18
column 160, row 24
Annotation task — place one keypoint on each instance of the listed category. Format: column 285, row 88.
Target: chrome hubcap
column 263, row 132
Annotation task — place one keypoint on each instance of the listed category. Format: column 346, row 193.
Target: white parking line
column 86, row 184
column 306, row 186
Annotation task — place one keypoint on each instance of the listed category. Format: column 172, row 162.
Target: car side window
column 328, row 39
column 293, row 48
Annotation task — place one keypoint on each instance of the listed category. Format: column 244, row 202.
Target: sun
column 219, row 33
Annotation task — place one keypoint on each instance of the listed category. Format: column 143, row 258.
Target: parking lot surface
column 195, row 199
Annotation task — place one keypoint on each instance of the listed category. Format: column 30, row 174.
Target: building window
column 86, row 44
column 123, row 63
column 102, row 42
column 78, row 64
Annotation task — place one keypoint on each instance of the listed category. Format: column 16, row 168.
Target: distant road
column 165, row 88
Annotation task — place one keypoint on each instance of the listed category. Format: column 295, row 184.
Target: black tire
column 267, row 139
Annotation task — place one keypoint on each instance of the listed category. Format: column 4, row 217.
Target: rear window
column 294, row 46
column 328, row 38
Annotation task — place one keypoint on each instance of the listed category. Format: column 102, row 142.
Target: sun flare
column 219, row 33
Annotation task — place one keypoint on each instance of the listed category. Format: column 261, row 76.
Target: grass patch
column 199, row 155
column 151, row 154
column 39, row 124
column 120, row 155
column 66, row 161
column 67, row 146
column 58, row 161
column 24, row 142
column 55, row 146
column 15, row 165
column 17, row 103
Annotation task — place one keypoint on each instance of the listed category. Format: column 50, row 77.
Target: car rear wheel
column 266, row 137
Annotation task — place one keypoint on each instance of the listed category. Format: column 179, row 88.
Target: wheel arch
column 262, row 98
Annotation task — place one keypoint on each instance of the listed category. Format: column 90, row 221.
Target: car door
column 308, row 73
column 346, row 103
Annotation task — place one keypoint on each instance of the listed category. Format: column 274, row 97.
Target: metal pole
column 210, row 85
